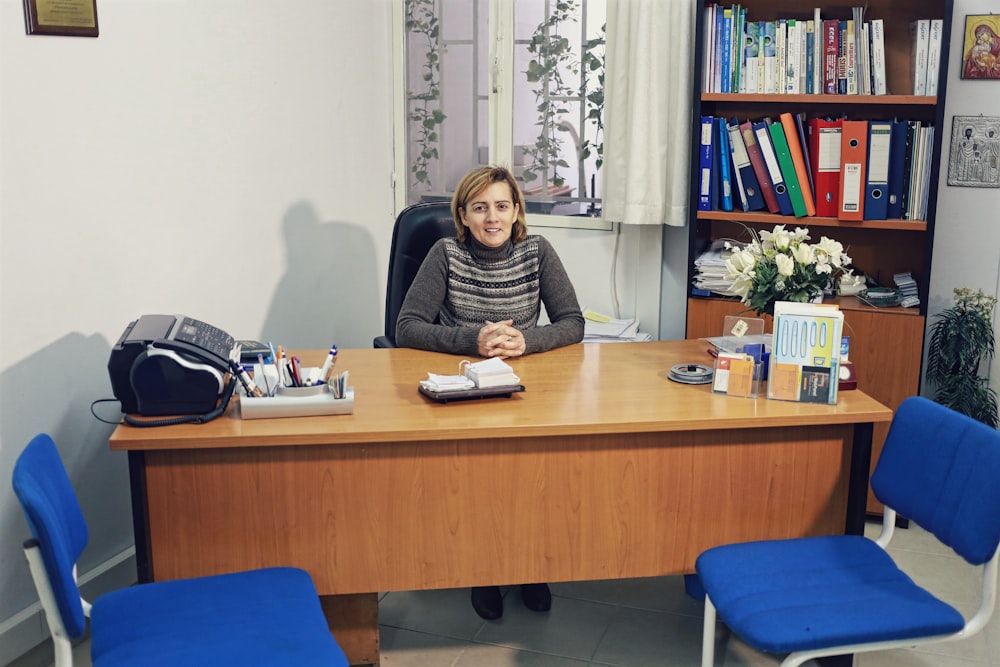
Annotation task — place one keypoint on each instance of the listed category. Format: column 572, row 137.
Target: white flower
column 785, row 264
column 804, row 253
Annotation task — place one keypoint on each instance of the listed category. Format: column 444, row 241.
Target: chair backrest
column 941, row 469
column 56, row 522
column 417, row 228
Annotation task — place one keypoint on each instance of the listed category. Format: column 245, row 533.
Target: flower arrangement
column 781, row 266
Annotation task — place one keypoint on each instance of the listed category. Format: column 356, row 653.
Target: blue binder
column 897, row 169
column 750, row 186
column 725, row 180
column 773, row 168
column 706, row 182
column 877, row 173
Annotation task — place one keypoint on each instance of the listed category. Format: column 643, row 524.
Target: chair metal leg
column 708, row 635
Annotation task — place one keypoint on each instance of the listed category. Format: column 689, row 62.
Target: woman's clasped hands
column 501, row 339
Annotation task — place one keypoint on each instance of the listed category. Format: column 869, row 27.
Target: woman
column 481, row 294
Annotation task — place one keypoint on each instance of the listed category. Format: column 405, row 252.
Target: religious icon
column 975, row 152
column 981, row 50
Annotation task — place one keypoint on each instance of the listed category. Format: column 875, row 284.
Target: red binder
column 759, row 168
column 795, row 150
column 824, row 151
column 853, row 158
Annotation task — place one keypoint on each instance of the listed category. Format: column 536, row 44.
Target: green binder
column 787, row 169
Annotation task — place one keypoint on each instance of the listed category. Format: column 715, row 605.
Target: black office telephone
column 172, row 365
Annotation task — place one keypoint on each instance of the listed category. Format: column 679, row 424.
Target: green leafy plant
column 424, row 107
column 552, row 56
column 781, row 266
column 961, row 339
column 593, row 61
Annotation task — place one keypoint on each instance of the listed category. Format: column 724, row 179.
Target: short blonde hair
column 478, row 180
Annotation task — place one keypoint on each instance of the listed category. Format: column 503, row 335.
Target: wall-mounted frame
column 981, row 47
column 975, row 152
column 76, row 18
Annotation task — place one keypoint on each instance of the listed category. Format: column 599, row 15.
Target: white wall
column 228, row 160
column 967, row 230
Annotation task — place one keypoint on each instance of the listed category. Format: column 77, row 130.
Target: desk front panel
column 495, row 510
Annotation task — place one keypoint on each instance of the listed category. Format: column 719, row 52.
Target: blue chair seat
column 813, row 593
column 155, row 625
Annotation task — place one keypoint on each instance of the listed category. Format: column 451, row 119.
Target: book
column 705, row 168
column 746, row 180
column 792, row 43
column 831, row 32
column 934, row 56
column 824, row 145
column 878, row 57
column 850, row 59
column 708, row 59
column 762, row 131
column 853, row 160
column 842, row 57
column 770, row 49
column 751, row 55
column 795, row 151
column 817, row 38
column 787, row 169
column 920, row 31
column 725, row 178
column 810, row 62
column 805, row 352
column 726, row 65
column 877, row 172
column 759, row 167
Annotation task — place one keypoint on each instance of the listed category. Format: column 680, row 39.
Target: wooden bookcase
column 886, row 343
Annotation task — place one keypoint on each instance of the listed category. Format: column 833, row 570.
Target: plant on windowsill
column 424, row 108
column 781, row 266
column 961, row 339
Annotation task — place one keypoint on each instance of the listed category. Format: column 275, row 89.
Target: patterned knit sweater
column 462, row 285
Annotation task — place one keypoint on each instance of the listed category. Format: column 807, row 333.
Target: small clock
column 847, row 378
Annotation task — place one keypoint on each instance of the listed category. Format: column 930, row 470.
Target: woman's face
column 490, row 214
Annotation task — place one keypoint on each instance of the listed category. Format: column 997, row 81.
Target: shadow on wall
column 51, row 391
column 329, row 292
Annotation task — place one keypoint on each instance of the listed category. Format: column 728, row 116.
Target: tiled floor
column 636, row 623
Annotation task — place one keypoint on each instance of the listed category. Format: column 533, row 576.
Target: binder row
column 810, row 56
column 837, row 168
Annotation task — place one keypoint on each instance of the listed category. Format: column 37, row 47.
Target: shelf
column 845, row 303
column 846, row 100
column 756, row 218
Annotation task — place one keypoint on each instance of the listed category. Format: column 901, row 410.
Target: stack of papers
column 599, row 328
column 447, row 382
column 710, row 270
column 490, row 373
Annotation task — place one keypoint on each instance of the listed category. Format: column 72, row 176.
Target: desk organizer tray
column 467, row 394
column 317, row 403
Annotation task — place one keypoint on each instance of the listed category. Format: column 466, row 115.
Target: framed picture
column 76, row 18
column 975, row 152
column 981, row 48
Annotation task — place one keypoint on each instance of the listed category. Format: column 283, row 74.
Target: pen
column 712, row 351
column 267, row 385
column 331, row 360
column 248, row 383
column 296, row 372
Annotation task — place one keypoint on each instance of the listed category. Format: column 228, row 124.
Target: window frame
column 500, row 110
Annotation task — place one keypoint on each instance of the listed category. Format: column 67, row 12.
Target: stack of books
column 814, row 55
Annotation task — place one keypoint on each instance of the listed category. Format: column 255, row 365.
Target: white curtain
column 647, row 111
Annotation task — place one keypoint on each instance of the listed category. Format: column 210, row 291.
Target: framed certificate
column 61, row 17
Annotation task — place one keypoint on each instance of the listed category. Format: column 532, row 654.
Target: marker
column 331, row 360
column 712, row 351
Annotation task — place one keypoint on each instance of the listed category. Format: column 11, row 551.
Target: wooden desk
column 602, row 469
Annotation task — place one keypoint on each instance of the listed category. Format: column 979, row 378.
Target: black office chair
column 417, row 228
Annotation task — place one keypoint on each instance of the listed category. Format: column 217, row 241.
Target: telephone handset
column 172, row 365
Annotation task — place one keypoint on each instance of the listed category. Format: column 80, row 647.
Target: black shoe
column 536, row 597
column 487, row 602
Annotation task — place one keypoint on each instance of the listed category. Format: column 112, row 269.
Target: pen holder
column 320, row 402
column 300, row 392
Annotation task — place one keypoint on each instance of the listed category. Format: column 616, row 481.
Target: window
column 518, row 83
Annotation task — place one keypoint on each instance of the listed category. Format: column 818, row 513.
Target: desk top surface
column 579, row 389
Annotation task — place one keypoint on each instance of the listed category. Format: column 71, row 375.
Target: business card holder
column 292, row 403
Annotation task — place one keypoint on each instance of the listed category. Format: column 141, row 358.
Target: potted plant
column 961, row 340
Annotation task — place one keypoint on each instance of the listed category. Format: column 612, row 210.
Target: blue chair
column 269, row 617
column 417, row 228
column 824, row 596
